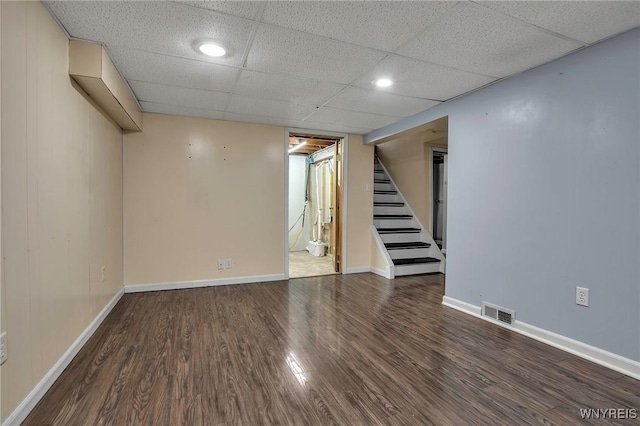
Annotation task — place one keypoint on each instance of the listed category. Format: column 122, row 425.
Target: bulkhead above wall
column 91, row 67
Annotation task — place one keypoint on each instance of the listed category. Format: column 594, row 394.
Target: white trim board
column 382, row 272
column 605, row 358
column 180, row 285
column 22, row 411
column 357, row 270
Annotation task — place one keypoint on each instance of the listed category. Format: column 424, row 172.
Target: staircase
column 408, row 245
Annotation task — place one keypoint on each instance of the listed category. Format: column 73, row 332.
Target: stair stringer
column 434, row 250
column 389, row 271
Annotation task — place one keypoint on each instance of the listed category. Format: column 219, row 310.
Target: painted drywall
column 198, row 190
column 544, row 194
column 61, row 197
column 408, row 161
column 359, row 202
column 298, row 237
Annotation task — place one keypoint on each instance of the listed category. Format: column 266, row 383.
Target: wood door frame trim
column 345, row 187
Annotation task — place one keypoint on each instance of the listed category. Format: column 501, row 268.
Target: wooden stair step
column 385, row 192
column 392, row 216
column 388, row 204
column 407, row 245
column 415, row 261
column 398, row 230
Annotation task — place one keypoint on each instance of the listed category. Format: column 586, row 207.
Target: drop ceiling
column 311, row 65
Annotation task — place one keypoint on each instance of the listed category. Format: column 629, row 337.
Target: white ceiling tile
column 269, row 108
column 286, row 88
column 336, row 128
column 259, row 119
column 379, row 102
column 183, row 111
column 587, row 21
column 388, row 23
column 179, row 96
column 476, row 39
column 350, row 118
column 244, row 9
column 163, row 69
column 291, row 52
column 163, row 27
column 416, row 78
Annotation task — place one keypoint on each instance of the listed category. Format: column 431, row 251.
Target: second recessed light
column 383, row 82
column 212, row 49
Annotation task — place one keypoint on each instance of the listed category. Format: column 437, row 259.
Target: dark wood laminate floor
column 354, row 349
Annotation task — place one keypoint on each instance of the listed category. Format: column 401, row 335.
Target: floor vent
column 506, row 316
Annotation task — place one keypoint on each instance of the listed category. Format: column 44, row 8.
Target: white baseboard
column 180, row 285
column 382, row 272
column 22, row 411
column 599, row 356
column 357, row 270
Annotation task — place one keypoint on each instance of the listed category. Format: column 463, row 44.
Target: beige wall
column 359, row 203
column 408, row 160
column 62, row 199
column 197, row 190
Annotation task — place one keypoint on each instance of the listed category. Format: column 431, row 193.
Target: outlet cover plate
column 582, row 296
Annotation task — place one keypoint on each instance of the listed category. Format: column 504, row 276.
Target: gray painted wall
column 544, row 194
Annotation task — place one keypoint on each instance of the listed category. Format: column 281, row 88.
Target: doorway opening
column 439, row 197
column 314, row 204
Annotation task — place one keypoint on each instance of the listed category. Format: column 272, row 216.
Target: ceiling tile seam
column 445, row 66
column 263, row 98
column 183, row 106
column 178, row 86
column 368, row 113
column 223, row 112
column 345, row 88
column 426, row 28
column 531, row 25
column 235, row 67
column 213, row 11
column 245, row 55
column 269, row 24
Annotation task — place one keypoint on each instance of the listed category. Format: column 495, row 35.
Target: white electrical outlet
column 3, row 347
column 582, row 296
column 220, row 264
column 227, row 264
column 104, row 273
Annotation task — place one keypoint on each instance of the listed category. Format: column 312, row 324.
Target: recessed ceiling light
column 383, row 82
column 212, row 49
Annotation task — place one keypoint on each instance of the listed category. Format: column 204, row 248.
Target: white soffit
column 479, row 40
